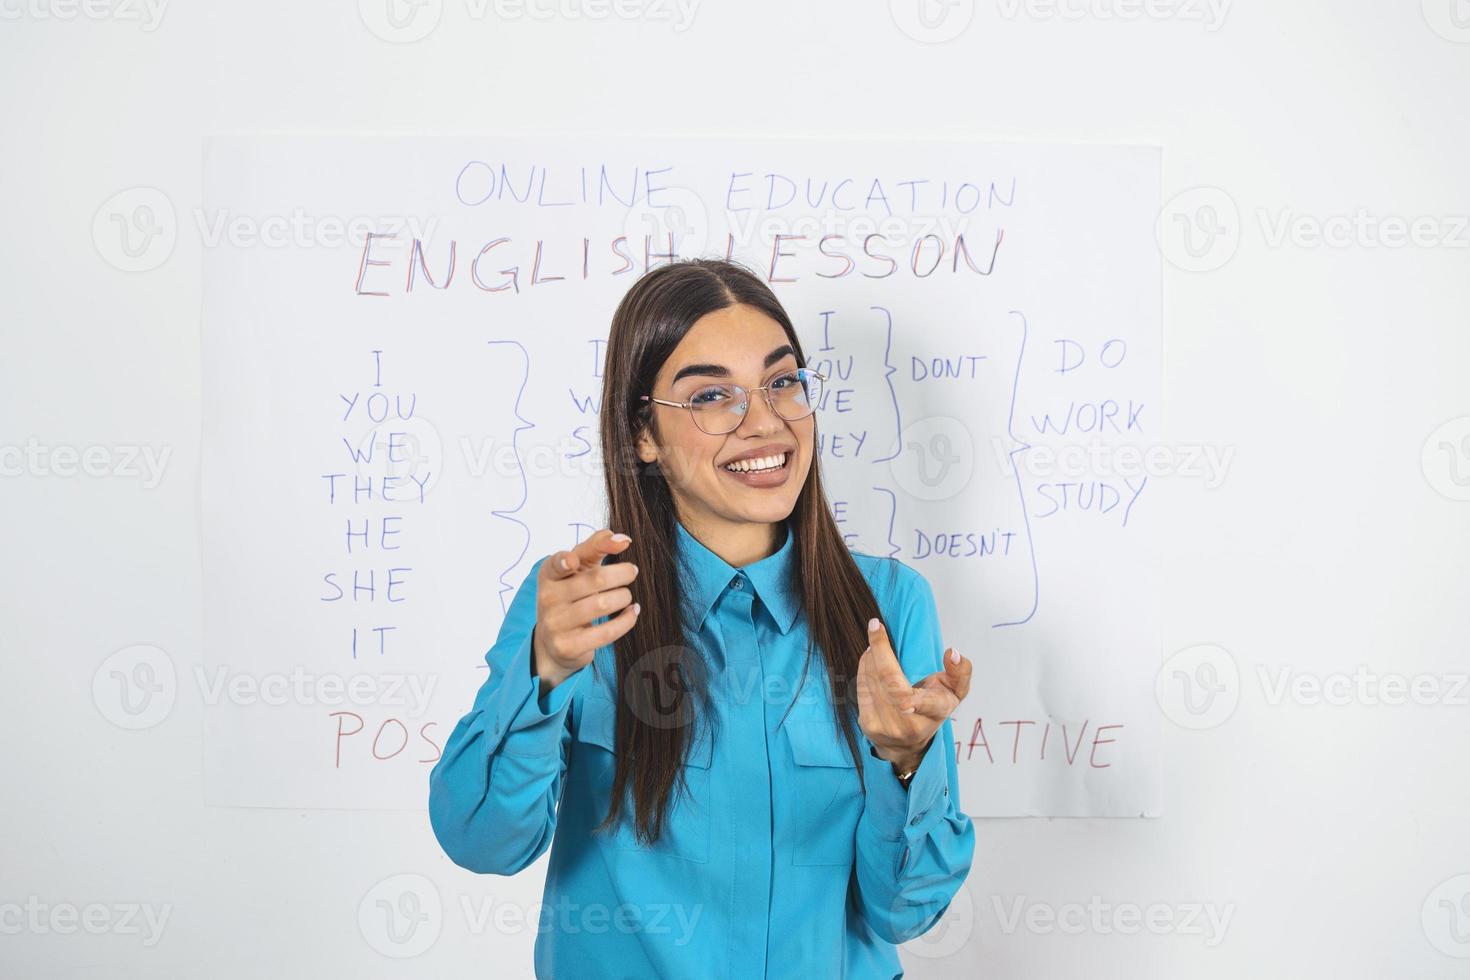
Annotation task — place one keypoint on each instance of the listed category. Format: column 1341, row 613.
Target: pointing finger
column 887, row 672
column 565, row 564
column 878, row 641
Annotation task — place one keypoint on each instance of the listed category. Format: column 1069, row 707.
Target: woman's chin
column 769, row 511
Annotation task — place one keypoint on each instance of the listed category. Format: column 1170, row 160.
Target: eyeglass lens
column 720, row 408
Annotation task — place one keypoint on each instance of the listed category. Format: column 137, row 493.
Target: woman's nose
column 759, row 417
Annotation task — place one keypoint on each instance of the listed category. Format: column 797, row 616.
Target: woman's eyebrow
column 720, row 371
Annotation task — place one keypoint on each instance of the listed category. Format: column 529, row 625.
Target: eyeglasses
column 718, row 409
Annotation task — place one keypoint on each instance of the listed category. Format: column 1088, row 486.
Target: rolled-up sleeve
column 493, row 793
column 915, row 845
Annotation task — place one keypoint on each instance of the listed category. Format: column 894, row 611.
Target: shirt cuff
column 891, row 812
column 527, row 722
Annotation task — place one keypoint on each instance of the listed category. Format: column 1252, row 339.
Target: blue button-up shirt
column 774, row 863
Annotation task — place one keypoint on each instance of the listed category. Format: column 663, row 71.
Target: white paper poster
column 403, row 346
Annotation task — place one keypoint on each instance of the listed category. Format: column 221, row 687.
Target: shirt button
column 736, row 583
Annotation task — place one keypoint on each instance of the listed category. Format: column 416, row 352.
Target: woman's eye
column 709, row 396
column 784, row 381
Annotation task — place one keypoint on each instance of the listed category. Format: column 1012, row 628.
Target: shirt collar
column 707, row 576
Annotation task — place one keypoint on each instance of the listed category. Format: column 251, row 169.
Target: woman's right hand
column 572, row 589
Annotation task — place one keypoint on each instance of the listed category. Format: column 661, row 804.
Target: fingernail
column 620, row 537
column 636, row 607
column 563, row 563
column 954, row 656
column 873, row 625
column 909, row 710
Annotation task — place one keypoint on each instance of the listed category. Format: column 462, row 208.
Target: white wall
column 1322, row 830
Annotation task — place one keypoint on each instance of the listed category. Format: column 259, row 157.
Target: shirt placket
column 749, row 807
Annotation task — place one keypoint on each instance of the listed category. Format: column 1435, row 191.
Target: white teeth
column 758, row 464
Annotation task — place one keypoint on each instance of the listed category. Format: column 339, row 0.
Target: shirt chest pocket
column 825, row 800
column 686, row 832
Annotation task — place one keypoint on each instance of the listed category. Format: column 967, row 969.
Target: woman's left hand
column 900, row 718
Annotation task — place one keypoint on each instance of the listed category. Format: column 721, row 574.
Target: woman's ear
column 647, row 448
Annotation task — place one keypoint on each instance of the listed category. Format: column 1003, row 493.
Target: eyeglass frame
column 749, row 393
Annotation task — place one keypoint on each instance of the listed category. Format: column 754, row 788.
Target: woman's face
column 736, row 345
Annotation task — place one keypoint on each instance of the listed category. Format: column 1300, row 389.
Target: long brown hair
column 657, row 661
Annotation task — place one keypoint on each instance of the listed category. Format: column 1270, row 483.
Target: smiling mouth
column 765, row 464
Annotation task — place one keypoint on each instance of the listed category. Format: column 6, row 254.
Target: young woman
column 747, row 782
